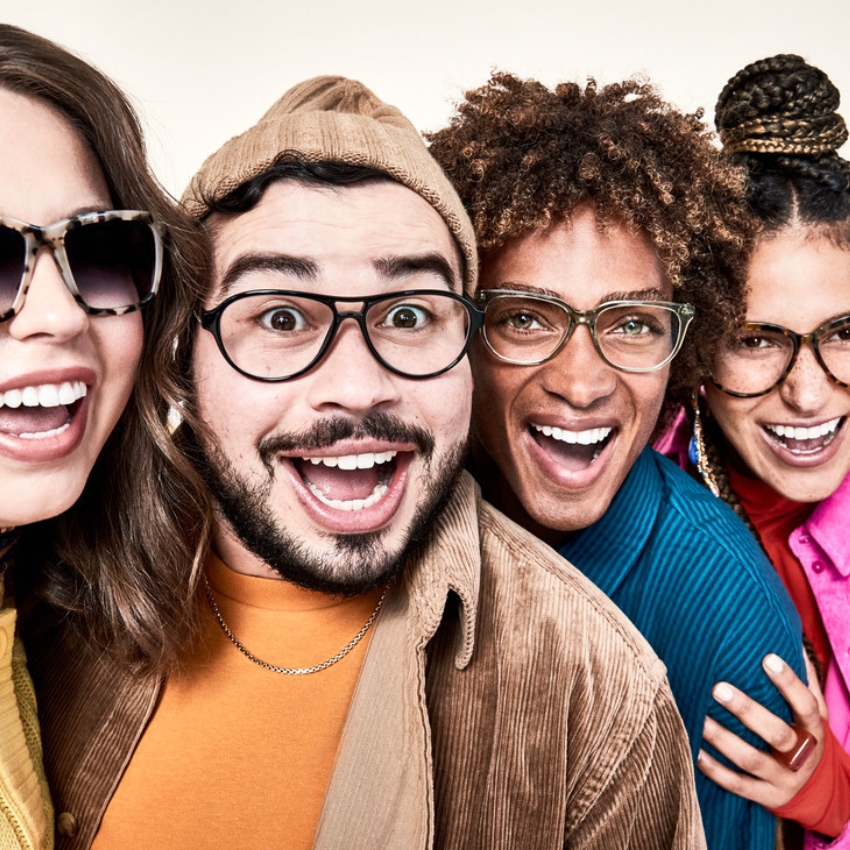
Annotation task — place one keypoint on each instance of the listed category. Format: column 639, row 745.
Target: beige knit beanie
column 338, row 120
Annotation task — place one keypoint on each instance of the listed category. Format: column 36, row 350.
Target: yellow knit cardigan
column 26, row 813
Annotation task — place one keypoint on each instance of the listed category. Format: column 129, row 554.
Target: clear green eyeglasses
column 633, row 336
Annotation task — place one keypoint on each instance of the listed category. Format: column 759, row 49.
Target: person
column 773, row 419
column 609, row 208
column 81, row 253
column 382, row 660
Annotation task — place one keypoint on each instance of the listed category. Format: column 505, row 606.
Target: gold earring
column 699, row 453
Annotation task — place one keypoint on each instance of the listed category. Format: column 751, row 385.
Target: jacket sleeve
column 646, row 799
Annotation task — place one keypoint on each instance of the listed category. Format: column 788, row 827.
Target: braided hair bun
column 778, row 118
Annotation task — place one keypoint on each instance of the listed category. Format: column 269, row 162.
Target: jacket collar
column 394, row 803
column 828, row 526
column 606, row 550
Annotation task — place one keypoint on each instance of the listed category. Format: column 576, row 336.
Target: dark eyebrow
column 650, row 294
column 297, row 267
column 432, row 263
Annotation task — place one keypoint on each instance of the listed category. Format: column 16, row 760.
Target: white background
column 200, row 72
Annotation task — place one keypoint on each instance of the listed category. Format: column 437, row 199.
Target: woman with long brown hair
column 86, row 238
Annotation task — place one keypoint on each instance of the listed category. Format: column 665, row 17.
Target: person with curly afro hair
column 608, row 207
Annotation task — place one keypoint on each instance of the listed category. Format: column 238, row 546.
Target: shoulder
column 544, row 593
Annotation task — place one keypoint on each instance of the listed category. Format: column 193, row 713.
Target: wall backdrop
column 201, row 71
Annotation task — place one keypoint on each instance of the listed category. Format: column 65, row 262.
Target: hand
column 766, row 779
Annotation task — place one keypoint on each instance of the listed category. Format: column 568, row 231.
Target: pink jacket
column 822, row 545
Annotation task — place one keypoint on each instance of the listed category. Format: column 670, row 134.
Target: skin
column 344, row 234
column 48, row 174
column 576, row 390
column 798, row 279
column 765, row 779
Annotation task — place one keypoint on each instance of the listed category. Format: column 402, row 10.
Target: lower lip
column 48, row 449
column 365, row 520
column 568, row 478
column 812, row 459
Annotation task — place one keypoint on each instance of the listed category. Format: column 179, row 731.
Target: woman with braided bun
column 773, row 440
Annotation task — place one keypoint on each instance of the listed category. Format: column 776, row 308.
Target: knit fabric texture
column 334, row 119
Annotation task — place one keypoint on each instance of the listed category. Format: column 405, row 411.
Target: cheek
column 447, row 405
column 736, row 418
column 119, row 344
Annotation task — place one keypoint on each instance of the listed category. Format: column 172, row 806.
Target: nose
column 349, row 378
column 807, row 387
column 50, row 311
column 578, row 374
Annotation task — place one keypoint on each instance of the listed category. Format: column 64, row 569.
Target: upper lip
column 572, row 424
column 49, row 376
column 351, row 447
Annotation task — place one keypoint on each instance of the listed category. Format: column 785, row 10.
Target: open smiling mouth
column 804, row 441
column 575, row 450
column 40, row 412
column 349, row 482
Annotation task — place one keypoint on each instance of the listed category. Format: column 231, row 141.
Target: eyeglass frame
column 685, row 313
column 52, row 236
column 210, row 320
column 812, row 339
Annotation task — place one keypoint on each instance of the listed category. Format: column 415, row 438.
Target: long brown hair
column 121, row 565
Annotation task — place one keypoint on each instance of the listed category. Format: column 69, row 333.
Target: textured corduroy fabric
column 334, row 119
column 689, row 575
column 504, row 703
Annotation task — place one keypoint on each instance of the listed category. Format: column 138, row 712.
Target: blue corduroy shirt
column 690, row 576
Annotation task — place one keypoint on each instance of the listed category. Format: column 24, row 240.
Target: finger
column 771, row 729
column 738, row 783
column 757, row 763
column 815, row 688
column 802, row 701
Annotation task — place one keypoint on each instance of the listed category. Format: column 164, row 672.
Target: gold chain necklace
column 290, row 671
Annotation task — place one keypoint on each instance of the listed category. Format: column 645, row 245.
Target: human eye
column 516, row 318
column 752, row 341
column 634, row 324
column 838, row 336
column 282, row 319
column 406, row 317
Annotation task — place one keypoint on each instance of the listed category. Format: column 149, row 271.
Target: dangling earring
column 697, row 452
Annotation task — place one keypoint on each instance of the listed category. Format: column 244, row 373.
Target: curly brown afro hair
column 522, row 156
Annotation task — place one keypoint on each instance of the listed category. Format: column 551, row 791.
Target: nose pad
column 49, row 307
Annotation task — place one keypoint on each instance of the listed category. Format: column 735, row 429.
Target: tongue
column 340, row 484
column 32, row 420
column 572, row 456
column 803, row 446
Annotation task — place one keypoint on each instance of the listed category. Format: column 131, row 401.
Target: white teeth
column 41, row 435
column 355, row 504
column 582, row 438
column 812, row 433
column 44, row 395
column 362, row 461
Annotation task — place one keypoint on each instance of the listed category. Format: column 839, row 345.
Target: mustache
column 377, row 425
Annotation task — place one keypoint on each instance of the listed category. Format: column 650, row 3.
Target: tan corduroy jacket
column 504, row 703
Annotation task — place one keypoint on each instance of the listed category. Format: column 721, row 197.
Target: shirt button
column 817, row 566
column 66, row 824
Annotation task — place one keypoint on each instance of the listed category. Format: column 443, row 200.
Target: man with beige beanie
column 382, row 660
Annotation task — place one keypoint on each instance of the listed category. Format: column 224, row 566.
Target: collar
column 450, row 562
column 606, row 550
column 828, row 526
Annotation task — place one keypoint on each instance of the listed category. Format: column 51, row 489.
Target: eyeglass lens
column 632, row 336
column 113, row 262
column 754, row 359
column 273, row 336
